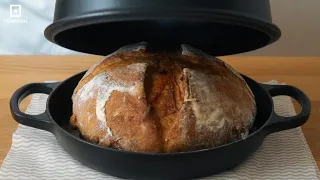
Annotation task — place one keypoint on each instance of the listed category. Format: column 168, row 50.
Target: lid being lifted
column 218, row 27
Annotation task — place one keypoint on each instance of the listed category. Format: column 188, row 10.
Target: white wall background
column 299, row 21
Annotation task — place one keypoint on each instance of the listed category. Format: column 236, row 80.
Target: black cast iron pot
column 217, row 27
column 182, row 165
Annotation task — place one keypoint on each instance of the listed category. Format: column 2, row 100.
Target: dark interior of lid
column 214, row 38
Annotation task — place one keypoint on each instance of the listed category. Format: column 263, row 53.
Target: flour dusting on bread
column 202, row 88
column 104, row 86
column 127, row 48
column 191, row 51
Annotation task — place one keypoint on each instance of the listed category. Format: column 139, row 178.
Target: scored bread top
column 140, row 101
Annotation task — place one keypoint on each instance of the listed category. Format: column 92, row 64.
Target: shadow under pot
column 182, row 165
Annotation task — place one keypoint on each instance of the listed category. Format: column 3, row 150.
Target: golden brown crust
column 162, row 102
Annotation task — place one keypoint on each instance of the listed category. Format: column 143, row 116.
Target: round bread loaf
column 142, row 101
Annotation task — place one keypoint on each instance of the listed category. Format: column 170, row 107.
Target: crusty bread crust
column 162, row 102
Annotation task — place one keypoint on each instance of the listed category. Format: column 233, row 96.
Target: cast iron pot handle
column 41, row 121
column 279, row 123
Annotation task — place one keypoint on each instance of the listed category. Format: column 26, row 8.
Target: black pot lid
column 218, row 27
